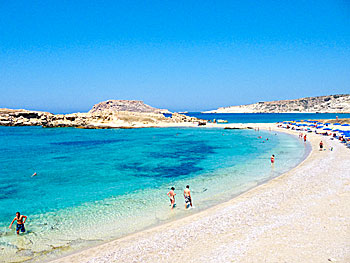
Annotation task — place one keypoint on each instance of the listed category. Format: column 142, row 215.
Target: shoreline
column 131, row 245
column 200, row 210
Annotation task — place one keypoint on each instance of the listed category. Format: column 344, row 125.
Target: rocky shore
column 108, row 114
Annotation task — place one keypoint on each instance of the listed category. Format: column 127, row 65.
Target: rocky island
column 107, row 114
column 320, row 104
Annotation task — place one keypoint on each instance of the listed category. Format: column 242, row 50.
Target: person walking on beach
column 321, row 145
column 305, row 138
column 171, row 195
column 187, row 195
column 272, row 159
column 21, row 219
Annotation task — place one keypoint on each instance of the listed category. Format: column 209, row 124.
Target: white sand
column 301, row 216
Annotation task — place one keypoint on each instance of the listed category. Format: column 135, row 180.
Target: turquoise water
column 96, row 185
column 266, row 117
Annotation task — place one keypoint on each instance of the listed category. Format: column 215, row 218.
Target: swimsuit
column 187, row 199
column 20, row 227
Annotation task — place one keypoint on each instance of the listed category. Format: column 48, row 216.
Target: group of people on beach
column 187, row 195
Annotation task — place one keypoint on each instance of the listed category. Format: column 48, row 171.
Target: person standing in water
column 272, row 159
column 171, row 195
column 187, row 195
column 305, row 138
column 21, row 219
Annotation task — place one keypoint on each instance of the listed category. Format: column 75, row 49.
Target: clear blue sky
column 64, row 56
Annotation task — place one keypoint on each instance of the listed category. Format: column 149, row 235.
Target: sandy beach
column 108, row 106
column 301, row 216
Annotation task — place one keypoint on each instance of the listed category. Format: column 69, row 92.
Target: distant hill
column 321, row 104
column 125, row 105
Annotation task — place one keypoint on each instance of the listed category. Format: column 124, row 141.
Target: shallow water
column 97, row 185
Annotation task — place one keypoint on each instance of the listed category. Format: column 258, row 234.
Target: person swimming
column 21, row 219
column 171, row 195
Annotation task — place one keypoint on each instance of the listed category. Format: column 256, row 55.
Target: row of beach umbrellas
column 342, row 129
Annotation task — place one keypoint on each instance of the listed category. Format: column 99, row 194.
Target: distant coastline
column 321, row 104
column 136, row 114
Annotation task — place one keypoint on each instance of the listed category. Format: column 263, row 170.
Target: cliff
column 321, row 104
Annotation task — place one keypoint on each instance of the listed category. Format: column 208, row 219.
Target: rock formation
column 109, row 114
column 321, row 104
column 125, row 105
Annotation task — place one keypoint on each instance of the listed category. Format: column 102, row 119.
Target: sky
column 65, row 56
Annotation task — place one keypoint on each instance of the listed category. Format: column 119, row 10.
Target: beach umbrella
column 346, row 127
column 336, row 123
column 327, row 129
column 345, row 124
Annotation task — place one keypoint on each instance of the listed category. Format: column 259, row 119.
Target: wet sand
column 301, row 216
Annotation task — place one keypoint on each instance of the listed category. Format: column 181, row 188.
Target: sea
column 93, row 186
column 266, row 117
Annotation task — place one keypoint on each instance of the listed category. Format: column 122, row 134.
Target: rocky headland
column 321, row 104
column 108, row 114
column 125, row 105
